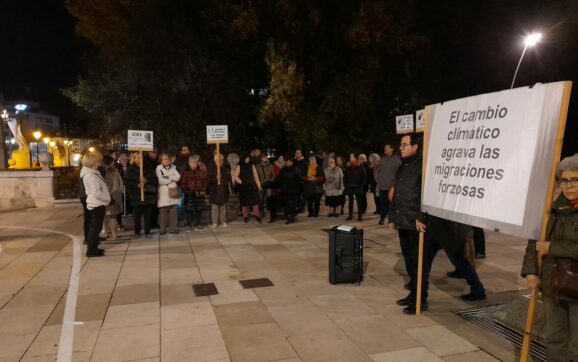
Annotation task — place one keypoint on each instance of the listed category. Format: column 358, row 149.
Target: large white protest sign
column 218, row 134
column 489, row 158
column 140, row 140
column 404, row 124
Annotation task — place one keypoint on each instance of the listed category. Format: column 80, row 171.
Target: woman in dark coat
column 354, row 179
column 290, row 184
column 133, row 186
column 219, row 194
column 249, row 188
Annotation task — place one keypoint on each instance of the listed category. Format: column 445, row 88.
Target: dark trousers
column 463, row 266
column 86, row 218
column 95, row 226
column 146, row 212
column 383, row 203
column 313, row 203
column 300, row 202
column 362, row 201
column 479, row 240
column 359, row 200
column 194, row 217
column 272, row 205
column 291, row 205
column 409, row 242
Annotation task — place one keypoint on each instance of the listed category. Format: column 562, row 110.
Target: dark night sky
column 479, row 41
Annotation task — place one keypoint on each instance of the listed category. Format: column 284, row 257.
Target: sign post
column 140, row 141
column 217, row 135
column 491, row 162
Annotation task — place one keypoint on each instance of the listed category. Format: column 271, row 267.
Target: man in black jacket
column 405, row 214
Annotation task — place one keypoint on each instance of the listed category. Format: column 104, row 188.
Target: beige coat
column 167, row 179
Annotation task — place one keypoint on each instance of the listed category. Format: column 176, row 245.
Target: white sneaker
column 213, row 226
column 224, row 225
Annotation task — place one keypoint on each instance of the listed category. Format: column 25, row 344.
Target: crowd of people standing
column 294, row 183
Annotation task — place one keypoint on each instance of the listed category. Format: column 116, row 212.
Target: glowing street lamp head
column 46, row 140
column 37, row 135
column 532, row 39
column 52, row 144
column 91, row 149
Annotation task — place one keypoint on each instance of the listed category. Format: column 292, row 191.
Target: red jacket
column 193, row 180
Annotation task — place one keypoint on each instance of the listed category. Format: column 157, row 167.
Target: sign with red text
column 489, row 156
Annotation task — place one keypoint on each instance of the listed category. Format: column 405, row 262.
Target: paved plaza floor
column 137, row 303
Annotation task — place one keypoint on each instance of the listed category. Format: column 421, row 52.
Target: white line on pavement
column 67, row 332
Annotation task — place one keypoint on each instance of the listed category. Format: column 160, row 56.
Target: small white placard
column 419, row 121
column 140, row 140
column 404, row 124
column 218, row 134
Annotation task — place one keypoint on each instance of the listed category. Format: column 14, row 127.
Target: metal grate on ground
column 483, row 317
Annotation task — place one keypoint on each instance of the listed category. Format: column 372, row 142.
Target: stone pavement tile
column 187, row 315
column 342, row 306
column 180, row 276
column 128, row 343
column 393, row 313
column 170, row 261
column 239, row 314
column 241, row 342
column 281, row 295
column 13, row 347
column 234, row 296
column 138, row 275
column 46, row 343
column 478, row 356
column 5, row 298
column 137, row 293
column 91, row 307
column 419, row 354
column 179, row 294
column 302, row 319
column 33, row 296
column 128, row 315
column 376, row 334
column 21, row 321
column 441, row 340
column 327, row 347
column 198, row 343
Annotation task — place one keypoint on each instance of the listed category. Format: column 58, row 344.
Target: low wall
column 22, row 189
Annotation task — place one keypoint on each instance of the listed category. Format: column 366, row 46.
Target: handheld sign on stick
column 217, row 135
column 404, row 124
column 491, row 159
column 140, row 141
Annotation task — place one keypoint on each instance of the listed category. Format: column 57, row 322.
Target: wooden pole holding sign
column 217, row 135
column 140, row 175
column 140, row 141
column 426, row 118
column 218, row 164
column 547, row 209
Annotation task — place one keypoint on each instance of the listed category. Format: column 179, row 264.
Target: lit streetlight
column 529, row 41
column 37, row 135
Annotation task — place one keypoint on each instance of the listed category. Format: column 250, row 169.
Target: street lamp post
column 529, row 41
column 37, row 135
